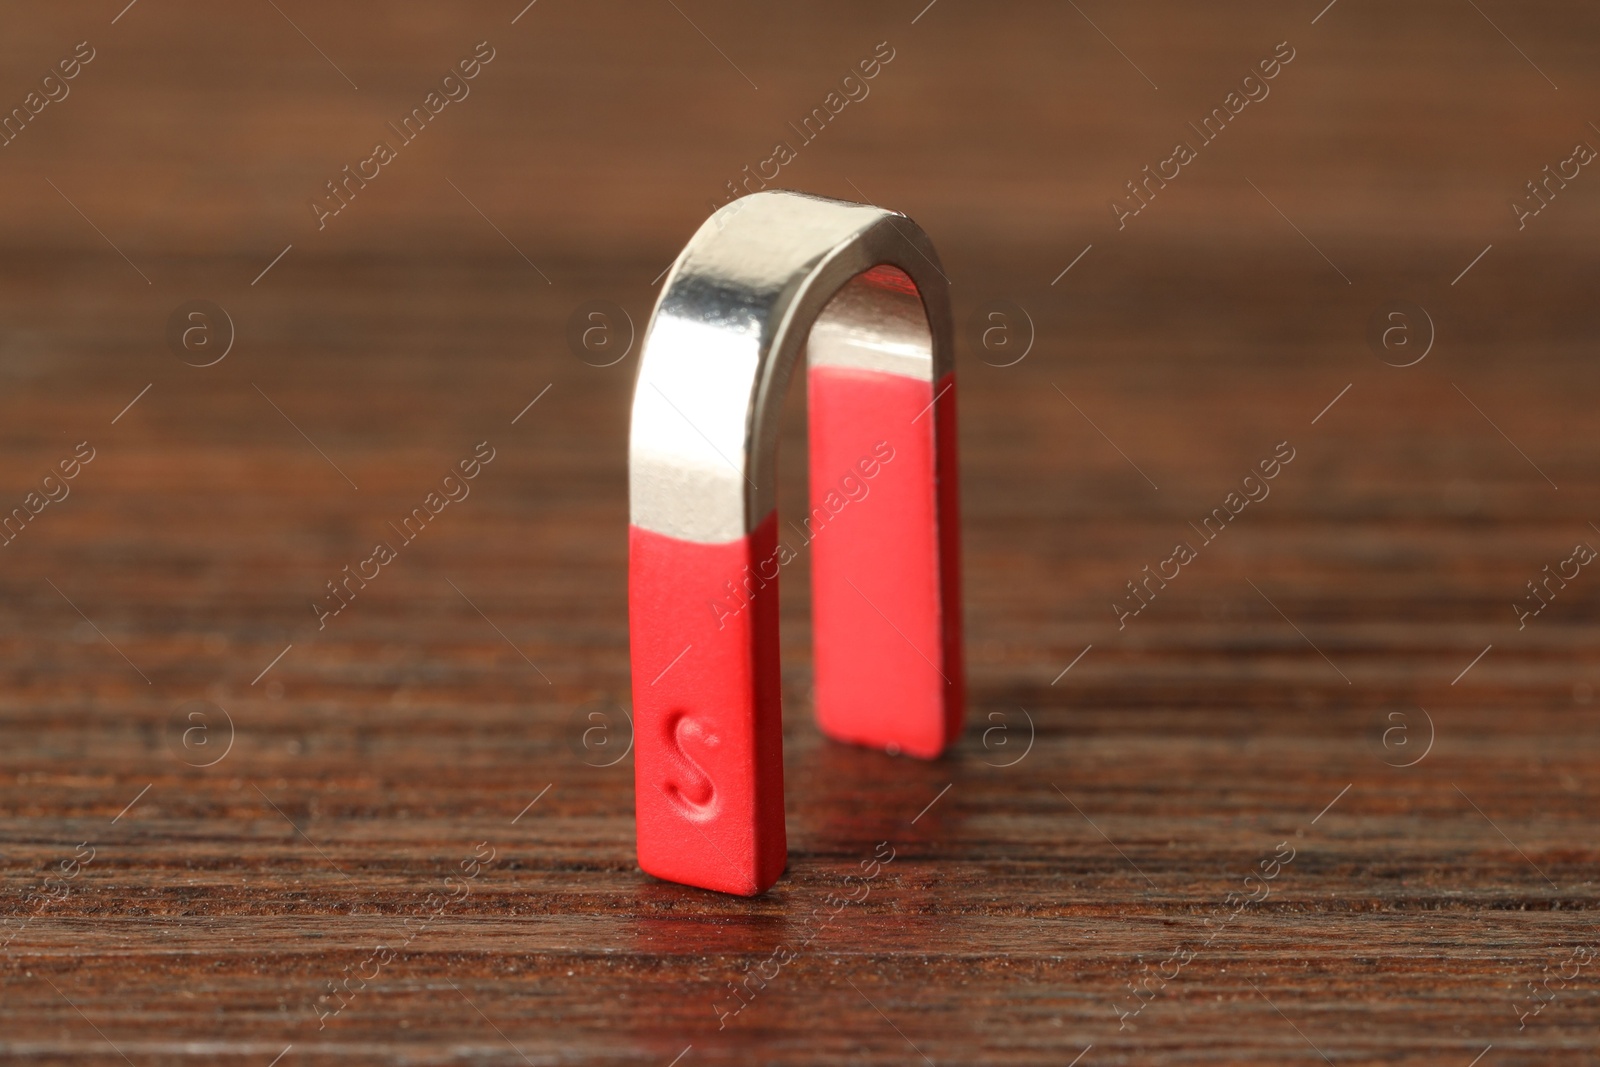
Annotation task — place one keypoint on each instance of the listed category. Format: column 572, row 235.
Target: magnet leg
column 886, row 587
column 708, row 770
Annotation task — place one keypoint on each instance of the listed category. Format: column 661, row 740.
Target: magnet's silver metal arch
column 761, row 276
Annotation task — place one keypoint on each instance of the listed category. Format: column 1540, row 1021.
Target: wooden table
column 234, row 837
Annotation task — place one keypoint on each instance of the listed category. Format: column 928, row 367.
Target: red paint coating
column 886, row 578
column 708, row 769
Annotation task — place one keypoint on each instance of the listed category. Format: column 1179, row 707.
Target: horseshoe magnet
column 858, row 289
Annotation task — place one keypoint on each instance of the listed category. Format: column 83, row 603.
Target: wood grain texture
column 1087, row 830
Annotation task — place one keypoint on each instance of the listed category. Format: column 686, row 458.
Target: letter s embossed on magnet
column 688, row 785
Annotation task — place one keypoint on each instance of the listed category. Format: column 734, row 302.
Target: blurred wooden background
column 1062, row 880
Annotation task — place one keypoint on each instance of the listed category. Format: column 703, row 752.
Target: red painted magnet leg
column 708, row 764
column 886, row 581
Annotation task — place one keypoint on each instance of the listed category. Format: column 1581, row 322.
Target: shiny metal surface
column 759, row 278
